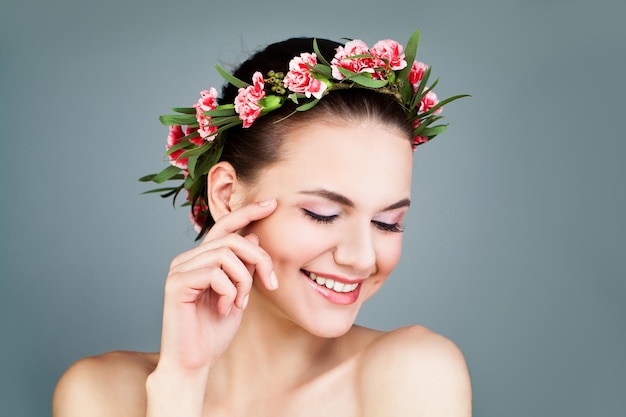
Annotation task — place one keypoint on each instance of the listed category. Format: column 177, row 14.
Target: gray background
column 515, row 244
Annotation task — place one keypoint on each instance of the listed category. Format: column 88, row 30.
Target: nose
column 356, row 250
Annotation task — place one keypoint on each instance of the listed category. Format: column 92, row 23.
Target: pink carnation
column 173, row 138
column 342, row 59
column 418, row 140
column 196, row 140
column 299, row 78
column 206, row 102
column 198, row 214
column 389, row 53
column 429, row 101
column 417, row 73
column 246, row 102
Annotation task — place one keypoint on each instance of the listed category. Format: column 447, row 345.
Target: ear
column 224, row 190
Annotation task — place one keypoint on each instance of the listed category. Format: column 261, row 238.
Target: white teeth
column 332, row 284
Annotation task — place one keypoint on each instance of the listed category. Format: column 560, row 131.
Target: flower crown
column 383, row 67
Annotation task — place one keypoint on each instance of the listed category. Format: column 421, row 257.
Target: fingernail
column 273, row 280
column 244, row 304
column 266, row 202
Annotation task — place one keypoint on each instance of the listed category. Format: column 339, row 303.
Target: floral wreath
column 192, row 151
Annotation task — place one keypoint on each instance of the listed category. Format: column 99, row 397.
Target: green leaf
column 450, row 99
column 270, row 103
column 228, row 126
column 230, row 78
column 196, row 151
column 433, row 131
column 323, row 69
column 346, row 72
column 191, row 164
column 184, row 110
column 358, row 56
column 432, row 86
column 178, row 146
column 222, row 111
column 177, row 119
column 420, row 89
column 167, row 174
column 368, row 82
column 443, row 103
column 189, row 181
column 147, row 178
column 173, row 192
column 320, row 57
column 309, row 105
column 410, row 54
column 160, row 190
column 362, row 78
column 221, row 121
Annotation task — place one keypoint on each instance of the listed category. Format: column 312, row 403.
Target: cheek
column 388, row 255
column 291, row 238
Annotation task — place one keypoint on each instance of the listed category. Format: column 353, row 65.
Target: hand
column 207, row 289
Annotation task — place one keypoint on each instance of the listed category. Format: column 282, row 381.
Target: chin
column 330, row 326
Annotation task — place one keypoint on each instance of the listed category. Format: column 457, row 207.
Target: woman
column 298, row 184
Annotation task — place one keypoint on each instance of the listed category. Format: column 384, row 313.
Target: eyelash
column 319, row 218
column 386, row 227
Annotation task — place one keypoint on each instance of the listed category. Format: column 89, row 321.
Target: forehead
column 361, row 160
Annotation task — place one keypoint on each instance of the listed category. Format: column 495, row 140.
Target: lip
column 341, row 298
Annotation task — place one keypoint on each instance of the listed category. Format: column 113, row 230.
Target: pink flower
column 198, row 214
column 389, row 53
column 196, row 140
column 342, row 59
column 417, row 73
column 174, row 137
column 418, row 140
column 299, row 78
column 246, row 102
column 206, row 102
column 429, row 101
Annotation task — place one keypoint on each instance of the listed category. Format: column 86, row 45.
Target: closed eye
column 318, row 217
column 388, row 227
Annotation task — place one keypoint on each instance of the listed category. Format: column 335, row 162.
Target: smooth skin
column 245, row 329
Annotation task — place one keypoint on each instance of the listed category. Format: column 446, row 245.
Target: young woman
column 298, row 184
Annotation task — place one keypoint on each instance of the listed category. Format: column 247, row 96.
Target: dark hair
column 251, row 149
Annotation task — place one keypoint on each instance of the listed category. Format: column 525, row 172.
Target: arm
column 111, row 384
column 205, row 293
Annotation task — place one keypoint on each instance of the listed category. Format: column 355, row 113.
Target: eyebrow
column 345, row 201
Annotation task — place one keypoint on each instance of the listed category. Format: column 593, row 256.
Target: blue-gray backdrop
column 515, row 246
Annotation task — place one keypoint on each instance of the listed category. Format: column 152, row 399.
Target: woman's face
column 342, row 191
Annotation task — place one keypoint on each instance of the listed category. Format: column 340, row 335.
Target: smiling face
column 342, row 190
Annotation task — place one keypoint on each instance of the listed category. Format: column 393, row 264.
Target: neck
column 270, row 351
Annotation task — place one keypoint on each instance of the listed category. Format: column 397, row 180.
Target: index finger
column 240, row 218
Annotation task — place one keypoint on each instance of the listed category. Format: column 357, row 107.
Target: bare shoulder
column 111, row 384
column 414, row 371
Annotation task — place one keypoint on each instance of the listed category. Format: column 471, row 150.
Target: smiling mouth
column 331, row 284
